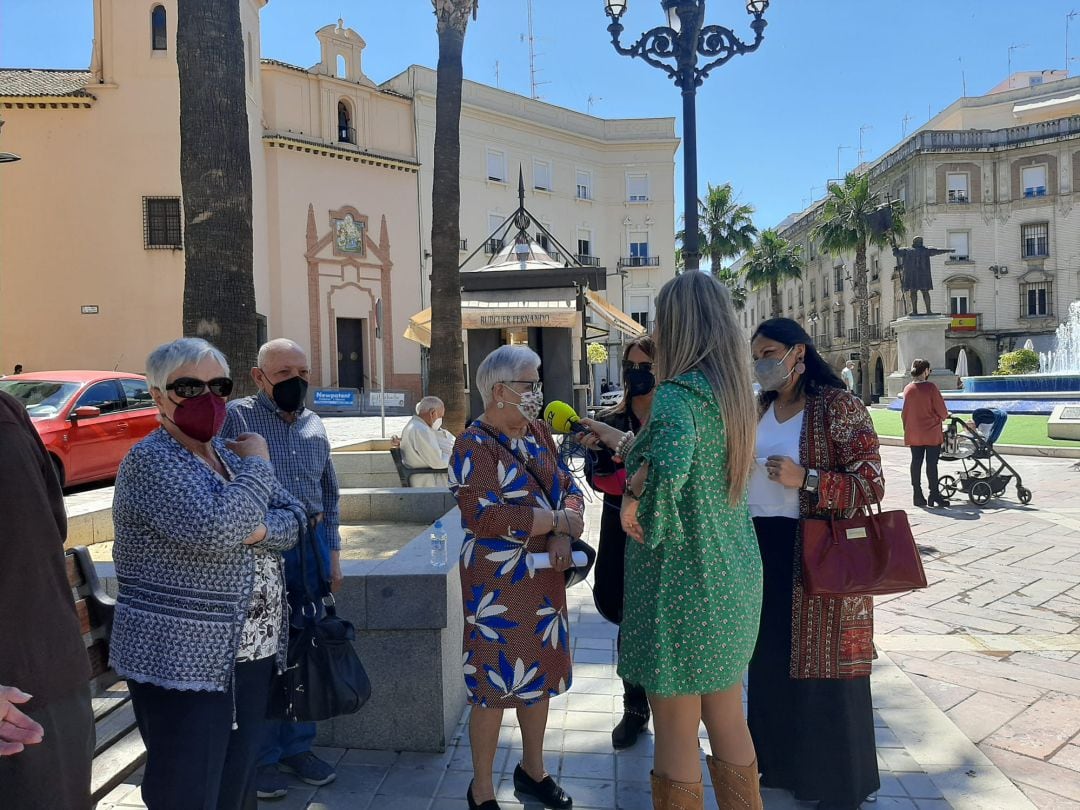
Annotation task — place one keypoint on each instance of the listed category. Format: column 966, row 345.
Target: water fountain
column 1065, row 357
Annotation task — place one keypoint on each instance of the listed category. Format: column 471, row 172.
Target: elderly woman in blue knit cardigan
column 200, row 619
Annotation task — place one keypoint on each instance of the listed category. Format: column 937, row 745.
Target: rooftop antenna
column 963, row 78
column 1011, row 49
column 497, row 74
column 591, row 101
column 839, row 149
column 903, row 126
column 862, row 131
column 1068, row 17
column 533, row 83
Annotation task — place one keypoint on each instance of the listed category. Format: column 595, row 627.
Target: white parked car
column 611, row 398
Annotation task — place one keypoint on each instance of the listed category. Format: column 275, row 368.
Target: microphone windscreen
column 560, row 416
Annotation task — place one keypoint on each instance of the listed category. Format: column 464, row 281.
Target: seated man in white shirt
column 425, row 444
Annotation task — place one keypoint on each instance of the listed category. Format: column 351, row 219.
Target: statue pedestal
column 920, row 336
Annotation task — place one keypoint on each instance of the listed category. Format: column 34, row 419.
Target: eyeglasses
column 637, row 366
column 534, row 385
column 189, row 387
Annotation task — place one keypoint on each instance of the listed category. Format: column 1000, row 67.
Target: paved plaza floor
column 976, row 690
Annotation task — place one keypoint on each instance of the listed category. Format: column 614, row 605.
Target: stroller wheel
column 947, row 485
column 981, row 493
column 1024, row 495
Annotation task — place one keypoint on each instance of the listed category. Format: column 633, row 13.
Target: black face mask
column 289, row 394
column 639, row 382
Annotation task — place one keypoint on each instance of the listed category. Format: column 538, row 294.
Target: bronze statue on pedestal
column 916, row 277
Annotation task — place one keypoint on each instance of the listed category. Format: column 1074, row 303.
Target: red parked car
column 87, row 419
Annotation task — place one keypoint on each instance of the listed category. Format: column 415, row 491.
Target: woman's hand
column 247, row 445
column 559, row 551
column 785, row 472
column 256, row 536
column 630, row 525
column 17, row 730
column 608, row 435
column 574, row 523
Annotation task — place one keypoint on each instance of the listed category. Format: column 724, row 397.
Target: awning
column 1060, row 101
column 613, row 315
column 506, row 309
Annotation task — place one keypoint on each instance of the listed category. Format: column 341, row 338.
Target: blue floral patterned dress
column 516, row 645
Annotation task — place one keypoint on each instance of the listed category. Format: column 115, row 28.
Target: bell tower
column 342, row 54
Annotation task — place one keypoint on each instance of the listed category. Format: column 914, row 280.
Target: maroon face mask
column 200, row 417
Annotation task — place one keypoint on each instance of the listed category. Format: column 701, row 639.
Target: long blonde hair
column 696, row 329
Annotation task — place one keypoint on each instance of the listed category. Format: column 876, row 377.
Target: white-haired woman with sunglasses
column 200, row 621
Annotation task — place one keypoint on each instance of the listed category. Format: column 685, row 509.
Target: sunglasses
column 534, row 385
column 637, row 366
column 189, row 387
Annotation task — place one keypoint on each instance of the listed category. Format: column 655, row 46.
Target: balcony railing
column 463, row 244
column 823, row 341
column 1035, row 191
column 639, row 261
column 875, row 331
column 493, row 246
column 967, row 322
column 957, row 196
column 588, row 261
column 853, row 335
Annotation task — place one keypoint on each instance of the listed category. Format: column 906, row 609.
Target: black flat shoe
column 938, row 501
column 490, row 804
column 546, row 791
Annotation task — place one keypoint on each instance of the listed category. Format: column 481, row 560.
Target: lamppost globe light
column 757, row 7
column 671, row 9
column 615, row 8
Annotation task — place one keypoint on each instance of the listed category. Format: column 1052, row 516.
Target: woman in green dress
column 693, row 578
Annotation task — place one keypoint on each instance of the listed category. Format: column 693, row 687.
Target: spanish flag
column 964, row 323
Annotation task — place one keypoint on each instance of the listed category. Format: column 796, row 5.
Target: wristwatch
column 810, row 483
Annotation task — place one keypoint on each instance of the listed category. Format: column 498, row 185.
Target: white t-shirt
column 769, row 498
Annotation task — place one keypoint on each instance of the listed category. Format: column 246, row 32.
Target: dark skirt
column 815, row 737
column 610, row 562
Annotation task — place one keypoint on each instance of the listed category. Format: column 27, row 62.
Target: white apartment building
column 997, row 179
column 604, row 188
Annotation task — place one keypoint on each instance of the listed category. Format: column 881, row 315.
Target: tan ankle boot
column 736, row 786
column 669, row 795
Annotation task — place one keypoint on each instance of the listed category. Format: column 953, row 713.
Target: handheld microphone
column 563, row 419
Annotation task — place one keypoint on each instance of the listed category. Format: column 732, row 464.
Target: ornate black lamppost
column 682, row 41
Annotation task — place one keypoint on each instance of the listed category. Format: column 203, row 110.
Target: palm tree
column 446, row 377
column 215, row 176
column 730, row 279
column 770, row 262
column 845, row 227
column 726, row 229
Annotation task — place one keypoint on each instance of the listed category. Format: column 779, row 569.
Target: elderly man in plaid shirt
column 300, row 453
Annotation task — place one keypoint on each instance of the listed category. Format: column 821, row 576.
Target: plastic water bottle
column 438, row 545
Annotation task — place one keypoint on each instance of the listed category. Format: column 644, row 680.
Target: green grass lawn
column 1020, row 429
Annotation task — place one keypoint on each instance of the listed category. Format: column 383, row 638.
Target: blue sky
column 769, row 123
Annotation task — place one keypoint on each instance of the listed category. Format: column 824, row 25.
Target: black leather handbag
column 323, row 676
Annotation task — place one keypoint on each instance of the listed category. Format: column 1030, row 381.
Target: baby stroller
column 986, row 473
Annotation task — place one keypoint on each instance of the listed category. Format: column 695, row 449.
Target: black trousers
column 195, row 759
column 55, row 773
column 931, row 454
column 813, row 737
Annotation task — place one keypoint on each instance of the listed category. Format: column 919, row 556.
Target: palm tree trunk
column 215, row 176
column 774, row 303
column 446, row 378
column 863, row 321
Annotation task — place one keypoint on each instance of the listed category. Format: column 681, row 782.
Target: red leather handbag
column 869, row 554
